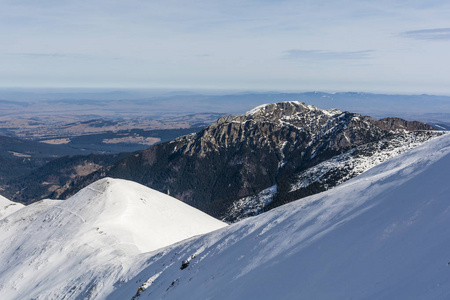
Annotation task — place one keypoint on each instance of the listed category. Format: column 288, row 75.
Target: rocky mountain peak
column 239, row 156
column 273, row 125
column 286, row 111
column 280, row 109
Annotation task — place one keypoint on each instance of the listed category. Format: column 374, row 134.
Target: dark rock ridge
column 239, row 156
column 399, row 125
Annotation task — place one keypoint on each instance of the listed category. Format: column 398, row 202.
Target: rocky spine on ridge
column 397, row 124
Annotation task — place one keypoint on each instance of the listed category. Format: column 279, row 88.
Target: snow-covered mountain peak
column 55, row 247
column 287, row 108
column 139, row 215
column 270, row 106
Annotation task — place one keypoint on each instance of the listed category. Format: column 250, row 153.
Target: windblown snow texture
column 56, row 249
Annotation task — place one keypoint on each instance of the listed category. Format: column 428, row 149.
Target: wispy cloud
column 71, row 56
column 428, row 34
column 320, row 55
column 51, row 55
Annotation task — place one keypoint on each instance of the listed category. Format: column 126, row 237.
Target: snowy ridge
column 56, row 249
column 256, row 109
column 334, row 171
column 343, row 167
column 8, row 207
column 382, row 235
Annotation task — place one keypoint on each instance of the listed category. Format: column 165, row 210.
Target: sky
column 340, row 45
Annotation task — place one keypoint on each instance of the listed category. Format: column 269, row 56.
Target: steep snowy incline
column 382, row 235
column 56, row 249
column 8, row 207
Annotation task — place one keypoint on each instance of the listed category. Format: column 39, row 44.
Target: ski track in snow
column 72, row 213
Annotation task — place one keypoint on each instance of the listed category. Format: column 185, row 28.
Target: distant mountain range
column 162, row 104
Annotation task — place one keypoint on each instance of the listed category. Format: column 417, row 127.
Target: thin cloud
column 71, row 56
column 428, row 34
column 320, row 55
column 51, row 55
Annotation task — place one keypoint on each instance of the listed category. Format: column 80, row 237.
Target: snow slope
column 382, row 235
column 8, row 207
column 57, row 249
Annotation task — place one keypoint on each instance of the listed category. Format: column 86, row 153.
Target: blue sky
column 373, row 46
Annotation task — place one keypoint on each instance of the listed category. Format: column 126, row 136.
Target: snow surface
column 57, row 249
column 382, row 235
column 8, row 207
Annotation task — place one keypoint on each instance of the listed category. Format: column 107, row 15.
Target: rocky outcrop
column 400, row 125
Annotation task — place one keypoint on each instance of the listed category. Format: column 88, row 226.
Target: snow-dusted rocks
column 287, row 110
column 331, row 172
column 382, row 235
column 56, row 249
column 7, row 207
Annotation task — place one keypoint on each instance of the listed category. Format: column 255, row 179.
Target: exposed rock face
column 400, row 125
column 240, row 156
